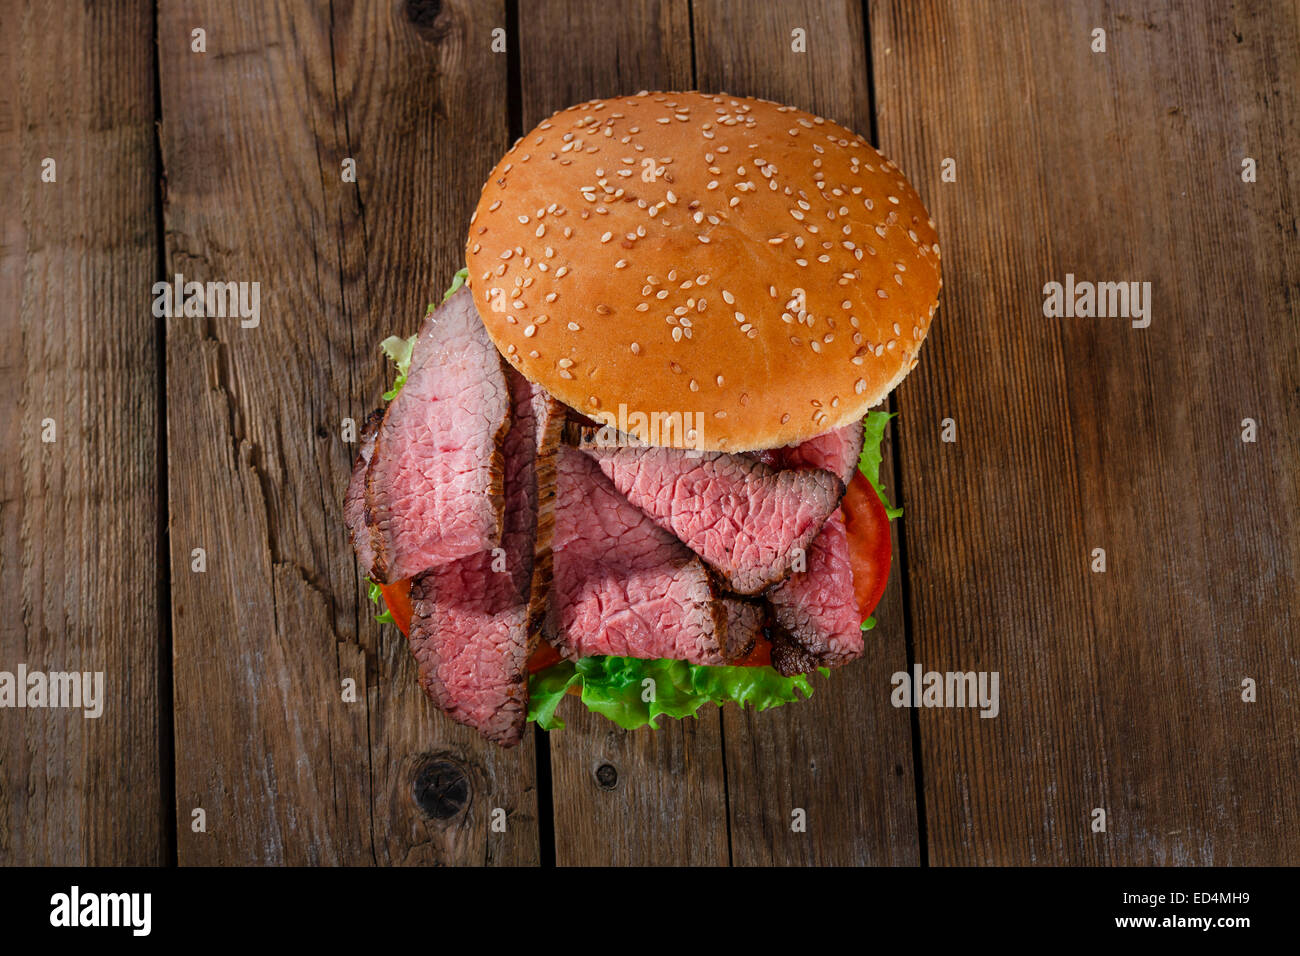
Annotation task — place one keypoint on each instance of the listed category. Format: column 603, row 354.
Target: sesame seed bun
column 764, row 272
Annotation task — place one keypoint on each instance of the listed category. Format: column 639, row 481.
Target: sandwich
column 630, row 462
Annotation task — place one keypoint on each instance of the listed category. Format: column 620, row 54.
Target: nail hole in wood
column 606, row 776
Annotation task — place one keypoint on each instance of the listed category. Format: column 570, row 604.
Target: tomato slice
column 397, row 597
column 543, row 657
column 870, row 548
column 870, row 553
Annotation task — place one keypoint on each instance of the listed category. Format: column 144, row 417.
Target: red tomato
column 397, row 597
column 760, row 656
column 543, row 657
column 870, row 548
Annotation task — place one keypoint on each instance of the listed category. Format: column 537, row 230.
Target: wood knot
column 425, row 15
column 441, row 786
column 606, row 776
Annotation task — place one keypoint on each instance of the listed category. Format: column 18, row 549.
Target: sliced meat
column 622, row 585
column 815, row 612
column 788, row 658
column 354, row 501
column 469, row 627
column 836, row 451
column 746, row 519
column 434, row 486
column 744, row 625
column 549, row 418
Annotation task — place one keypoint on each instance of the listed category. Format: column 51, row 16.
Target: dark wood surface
column 1119, row 691
column 81, row 564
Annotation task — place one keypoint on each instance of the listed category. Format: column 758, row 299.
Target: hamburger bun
column 764, row 272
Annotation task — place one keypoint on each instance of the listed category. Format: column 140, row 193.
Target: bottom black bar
column 619, row 908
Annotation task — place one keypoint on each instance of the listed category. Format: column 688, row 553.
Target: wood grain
column 845, row 756
column 80, row 554
column 645, row 797
column 255, row 132
column 1119, row 690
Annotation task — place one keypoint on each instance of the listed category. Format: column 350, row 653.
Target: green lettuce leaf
column 376, row 594
column 399, row 349
column 618, row 688
column 873, row 429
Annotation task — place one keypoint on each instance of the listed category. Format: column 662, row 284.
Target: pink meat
column 469, row 628
column 434, row 485
column 816, row 609
column 746, row 519
column 622, row 585
column 836, row 451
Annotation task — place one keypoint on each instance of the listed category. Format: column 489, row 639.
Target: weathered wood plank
column 845, row 756
column 645, row 797
column 80, row 550
column 255, row 134
column 1120, row 690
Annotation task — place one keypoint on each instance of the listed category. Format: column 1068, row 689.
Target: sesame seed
column 621, row 264
column 574, row 327
column 563, row 270
column 728, row 298
column 636, row 349
column 529, row 331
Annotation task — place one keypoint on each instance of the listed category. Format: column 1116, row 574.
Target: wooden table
column 1121, row 690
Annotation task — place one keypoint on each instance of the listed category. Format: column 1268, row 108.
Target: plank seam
column 914, row 720
column 166, row 692
column 541, row 739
